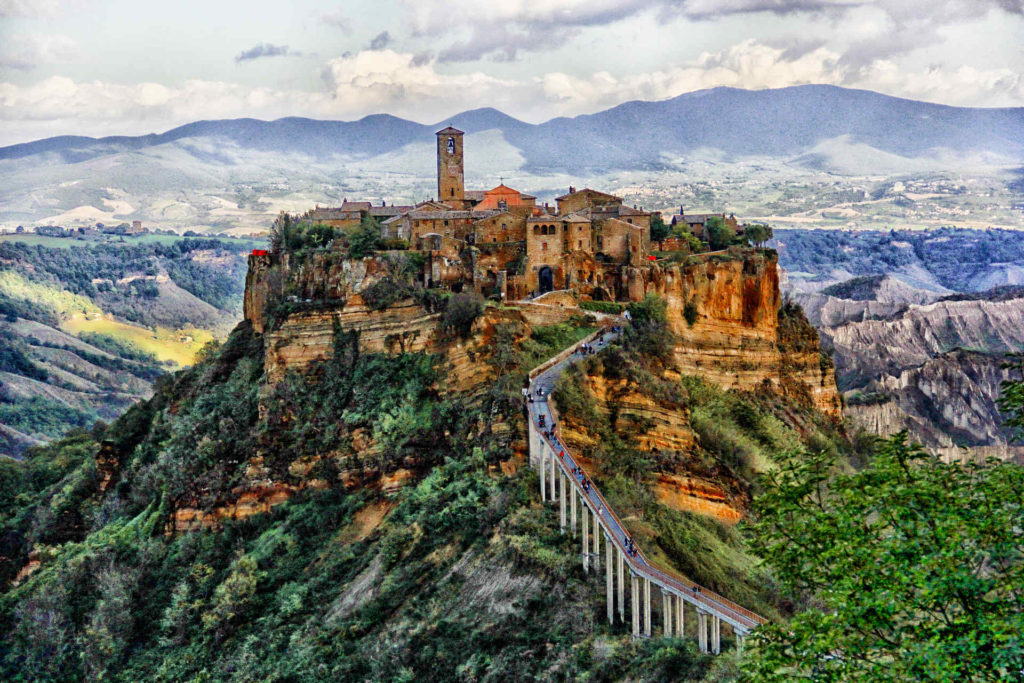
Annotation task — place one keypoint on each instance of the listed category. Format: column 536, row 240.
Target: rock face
column 734, row 340
column 925, row 365
column 322, row 292
column 869, row 349
column 948, row 402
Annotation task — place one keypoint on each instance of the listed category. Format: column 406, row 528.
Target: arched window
column 451, row 145
column 536, row 230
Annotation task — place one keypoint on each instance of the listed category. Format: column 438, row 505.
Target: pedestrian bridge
column 584, row 511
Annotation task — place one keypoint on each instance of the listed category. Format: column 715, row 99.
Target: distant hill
column 827, row 156
column 87, row 327
column 783, row 122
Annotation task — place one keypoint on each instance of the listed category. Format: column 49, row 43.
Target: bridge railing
column 706, row 599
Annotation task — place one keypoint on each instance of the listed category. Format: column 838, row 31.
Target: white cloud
column 26, row 52
column 30, row 8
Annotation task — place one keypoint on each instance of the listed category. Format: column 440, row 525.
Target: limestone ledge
column 690, row 494
column 252, row 500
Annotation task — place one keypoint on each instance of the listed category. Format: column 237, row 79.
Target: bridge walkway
column 562, row 478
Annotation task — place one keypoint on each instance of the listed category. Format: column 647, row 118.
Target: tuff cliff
column 732, row 332
column 725, row 310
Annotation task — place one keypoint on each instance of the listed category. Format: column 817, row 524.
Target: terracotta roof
column 355, row 206
column 449, row 131
column 502, row 189
column 575, row 217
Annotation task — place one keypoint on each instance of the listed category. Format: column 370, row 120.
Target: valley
column 919, row 325
column 89, row 326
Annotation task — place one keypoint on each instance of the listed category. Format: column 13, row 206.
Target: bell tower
column 451, row 185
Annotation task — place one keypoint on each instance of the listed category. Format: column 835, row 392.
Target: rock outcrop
column 932, row 368
column 734, row 340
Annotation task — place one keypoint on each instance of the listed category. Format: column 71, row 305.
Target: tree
column 320, row 235
column 363, row 241
column 648, row 330
column 463, row 310
column 757, row 234
column 912, row 569
column 1012, row 400
column 659, row 230
column 720, row 235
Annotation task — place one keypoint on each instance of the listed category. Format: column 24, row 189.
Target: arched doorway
column 547, row 279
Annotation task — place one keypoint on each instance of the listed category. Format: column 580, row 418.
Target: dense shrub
column 611, row 307
column 462, row 311
column 690, row 312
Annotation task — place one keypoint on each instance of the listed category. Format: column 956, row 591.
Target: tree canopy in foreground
column 911, row 569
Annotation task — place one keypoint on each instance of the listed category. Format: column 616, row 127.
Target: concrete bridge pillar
column 543, row 472
column 716, row 634
column 647, row 607
column 702, row 630
column 533, row 445
column 609, row 581
column 635, row 605
column 586, row 540
column 739, row 643
column 597, row 540
column 680, row 619
column 572, row 508
column 554, row 468
column 622, row 586
column 561, row 500
column 666, row 613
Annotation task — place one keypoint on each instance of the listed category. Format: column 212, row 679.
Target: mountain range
column 794, row 157
column 635, row 135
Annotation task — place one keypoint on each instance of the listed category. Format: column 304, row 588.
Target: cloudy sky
column 102, row 67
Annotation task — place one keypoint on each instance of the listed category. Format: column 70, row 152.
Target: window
column 630, row 221
column 504, row 226
column 446, row 224
column 544, row 246
column 580, row 244
column 451, row 145
column 536, row 230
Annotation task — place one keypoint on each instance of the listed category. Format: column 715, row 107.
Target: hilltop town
column 502, row 244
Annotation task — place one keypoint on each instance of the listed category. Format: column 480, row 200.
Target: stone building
column 501, row 242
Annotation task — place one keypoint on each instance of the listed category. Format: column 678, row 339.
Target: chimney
column 681, row 212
